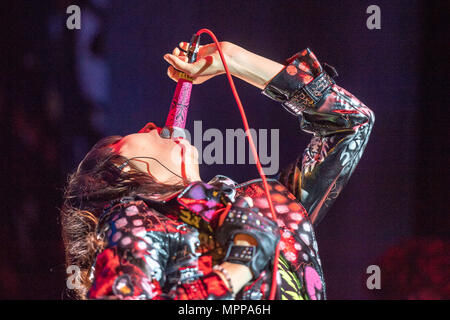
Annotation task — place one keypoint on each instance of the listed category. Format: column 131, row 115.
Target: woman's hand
column 207, row 66
column 245, row 65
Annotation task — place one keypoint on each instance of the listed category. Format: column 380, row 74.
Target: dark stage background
column 62, row 90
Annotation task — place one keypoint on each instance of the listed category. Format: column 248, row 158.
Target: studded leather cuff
column 243, row 255
column 240, row 254
column 302, row 83
column 248, row 221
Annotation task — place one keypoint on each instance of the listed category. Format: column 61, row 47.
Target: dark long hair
column 97, row 181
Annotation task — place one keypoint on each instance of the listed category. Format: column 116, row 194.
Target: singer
column 140, row 223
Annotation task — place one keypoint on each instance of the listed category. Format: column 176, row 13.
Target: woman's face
column 177, row 155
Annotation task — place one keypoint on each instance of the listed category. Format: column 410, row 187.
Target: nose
column 149, row 127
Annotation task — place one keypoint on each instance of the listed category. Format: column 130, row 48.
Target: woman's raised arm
column 339, row 122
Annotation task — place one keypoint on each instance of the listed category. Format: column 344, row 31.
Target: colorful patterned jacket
column 164, row 248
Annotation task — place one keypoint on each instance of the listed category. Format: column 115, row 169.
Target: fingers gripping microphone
column 176, row 120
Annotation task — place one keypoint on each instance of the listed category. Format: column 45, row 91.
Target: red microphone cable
column 254, row 152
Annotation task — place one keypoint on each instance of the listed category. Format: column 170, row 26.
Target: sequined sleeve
column 340, row 125
column 139, row 244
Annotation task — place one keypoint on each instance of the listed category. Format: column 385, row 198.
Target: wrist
column 230, row 52
column 250, row 67
column 235, row 58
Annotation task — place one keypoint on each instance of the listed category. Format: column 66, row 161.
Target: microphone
column 176, row 120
